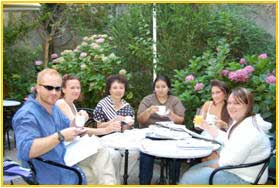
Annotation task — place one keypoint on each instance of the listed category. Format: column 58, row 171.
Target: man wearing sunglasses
column 40, row 129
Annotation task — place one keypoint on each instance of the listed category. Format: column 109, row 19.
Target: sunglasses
column 50, row 88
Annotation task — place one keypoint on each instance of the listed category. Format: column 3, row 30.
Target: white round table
column 10, row 103
column 176, row 149
column 129, row 140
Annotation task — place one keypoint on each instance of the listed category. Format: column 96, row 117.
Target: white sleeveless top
column 68, row 106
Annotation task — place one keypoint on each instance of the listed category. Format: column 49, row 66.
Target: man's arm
column 41, row 146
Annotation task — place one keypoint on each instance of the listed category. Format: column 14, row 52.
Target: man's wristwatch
column 60, row 136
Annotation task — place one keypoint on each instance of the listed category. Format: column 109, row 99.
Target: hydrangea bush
column 92, row 61
column 255, row 72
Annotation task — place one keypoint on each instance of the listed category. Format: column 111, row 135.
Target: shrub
column 255, row 72
column 91, row 61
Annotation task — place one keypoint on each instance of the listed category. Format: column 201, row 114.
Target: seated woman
column 215, row 112
column 147, row 115
column 245, row 142
column 102, row 162
column 71, row 90
column 114, row 110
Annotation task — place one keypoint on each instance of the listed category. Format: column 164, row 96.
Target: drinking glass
column 198, row 118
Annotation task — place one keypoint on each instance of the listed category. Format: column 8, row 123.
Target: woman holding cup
column 71, row 90
column 159, row 106
column 102, row 161
column 113, row 110
column 215, row 112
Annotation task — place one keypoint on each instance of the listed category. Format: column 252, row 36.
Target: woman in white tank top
column 214, row 112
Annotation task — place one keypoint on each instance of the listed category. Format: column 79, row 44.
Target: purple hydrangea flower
column 270, row 79
column 38, row 62
column 225, row 72
column 199, row 86
column 54, row 56
column 242, row 61
column 189, row 78
column 263, row 56
column 249, row 69
column 240, row 75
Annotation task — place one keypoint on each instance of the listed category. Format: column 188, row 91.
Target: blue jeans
column 199, row 174
column 146, row 168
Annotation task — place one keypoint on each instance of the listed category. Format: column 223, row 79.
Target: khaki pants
column 99, row 168
column 118, row 157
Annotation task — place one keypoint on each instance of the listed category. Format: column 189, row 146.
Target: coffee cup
column 80, row 120
column 162, row 110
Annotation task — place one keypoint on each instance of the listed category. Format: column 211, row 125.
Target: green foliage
column 91, row 61
column 187, row 30
column 132, row 36
column 87, row 18
column 18, row 58
column 211, row 65
column 20, row 72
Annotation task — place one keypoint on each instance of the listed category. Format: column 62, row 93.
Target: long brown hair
column 223, row 87
column 243, row 96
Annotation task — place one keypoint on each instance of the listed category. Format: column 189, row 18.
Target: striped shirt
column 105, row 110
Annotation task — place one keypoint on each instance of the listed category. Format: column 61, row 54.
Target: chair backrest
column 13, row 169
column 90, row 122
column 59, row 165
column 265, row 163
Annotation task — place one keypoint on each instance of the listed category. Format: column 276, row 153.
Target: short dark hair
column 162, row 78
column 119, row 78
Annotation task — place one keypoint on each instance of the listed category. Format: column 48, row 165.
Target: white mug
column 80, row 120
column 162, row 110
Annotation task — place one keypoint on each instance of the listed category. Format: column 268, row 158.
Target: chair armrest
column 53, row 163
column 264, row 161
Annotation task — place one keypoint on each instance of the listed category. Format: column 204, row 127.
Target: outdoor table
column 127, row 141
column 9, row 109
column 10, row 103
column 175, row 149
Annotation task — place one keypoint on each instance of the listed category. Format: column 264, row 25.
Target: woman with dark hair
column 161, row 97
column 113, row 110
column 244, row 142
column 148, row 113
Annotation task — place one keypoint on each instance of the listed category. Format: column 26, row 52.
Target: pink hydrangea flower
column 225, row 72
column 199, row 86
column 270, row 79
column 83, row 54
column 189, row 78
column 100, row 40
column 54, row 56
column 242, row 61
column 263, row 56
column 249, row 69
column 240, row 75
column 38, row 62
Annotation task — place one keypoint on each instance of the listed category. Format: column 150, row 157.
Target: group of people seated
column 48, row 118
